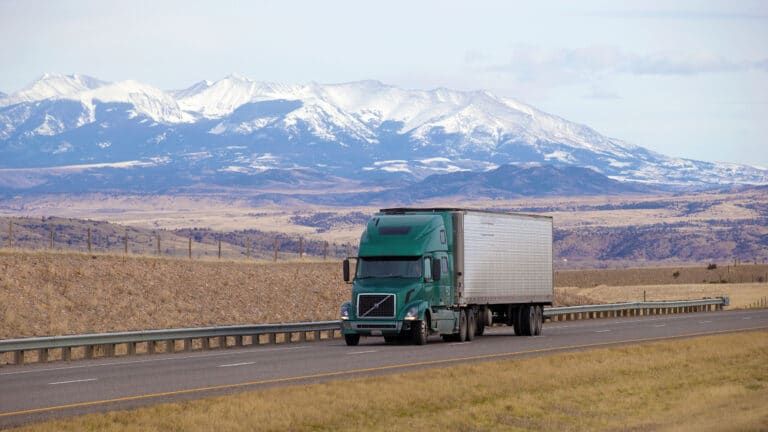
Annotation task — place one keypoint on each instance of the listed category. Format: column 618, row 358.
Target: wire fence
column 76, row 235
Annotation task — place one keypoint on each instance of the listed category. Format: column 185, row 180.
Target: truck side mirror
column 436, row 270
column 345, row 267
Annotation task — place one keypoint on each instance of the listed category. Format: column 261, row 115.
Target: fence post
column 219, row 247
column 325, row 250
column 301, row 246
column 275, row 250
column 158, row 244
column 89, row 239
column 248, row 248
column 190, row 248
column 126, row 241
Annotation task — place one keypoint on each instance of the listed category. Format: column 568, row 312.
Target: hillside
column 51, row 293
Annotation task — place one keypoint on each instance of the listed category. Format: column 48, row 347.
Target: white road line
column 603, row 331
column 237, row 364
column 705, row 322
column 660, row 325
column 362, row 352
column 73, row 381
column 747, row 318
column 160, row 359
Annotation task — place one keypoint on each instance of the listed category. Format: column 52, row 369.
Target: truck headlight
column 345, row 311
column 412, row 314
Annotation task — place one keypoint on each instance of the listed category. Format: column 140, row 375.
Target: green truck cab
column 409, row 281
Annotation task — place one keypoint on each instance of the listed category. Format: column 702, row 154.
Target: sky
column 685, row 78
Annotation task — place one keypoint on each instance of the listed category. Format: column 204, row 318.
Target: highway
column 37, row 392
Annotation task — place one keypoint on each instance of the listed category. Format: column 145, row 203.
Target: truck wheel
column 525, row 320
column 471, row 325
column 539, row 320
column 530, row 318
column 420, row 333
column 517, row 320
column 462, row 326
column 352, row 339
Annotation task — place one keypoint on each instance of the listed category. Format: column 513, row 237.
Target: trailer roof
column 402, row 210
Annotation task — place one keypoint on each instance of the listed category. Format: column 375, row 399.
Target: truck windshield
column 385, row 267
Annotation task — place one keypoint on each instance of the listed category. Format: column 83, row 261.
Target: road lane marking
column 660, row 325
column 747, row 318
column 705, row 322
column 378, row 369
column 237, row 364
column 362, row 352
column 603, row 331
column 73, row 381
column 161, row 359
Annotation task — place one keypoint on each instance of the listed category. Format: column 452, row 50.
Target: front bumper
column 374, row 327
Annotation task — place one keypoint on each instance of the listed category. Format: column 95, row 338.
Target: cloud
column 530, row 62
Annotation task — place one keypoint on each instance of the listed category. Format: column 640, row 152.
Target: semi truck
column 450, row 272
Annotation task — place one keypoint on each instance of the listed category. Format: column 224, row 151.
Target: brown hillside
column 43, row 293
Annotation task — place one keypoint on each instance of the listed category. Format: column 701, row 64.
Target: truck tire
column 530, row 317
column 471, row 325
column 352, row 339
column 517, row 320
column 462, row 326
column 539, row 320
column 420, row 332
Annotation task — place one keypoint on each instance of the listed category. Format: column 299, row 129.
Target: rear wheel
column 480, row 327
column 530, row 318
column 471, row 325
column 462, row 326
column 352, row 339
column 539, row 320
column 517, row 320
column 420, row 332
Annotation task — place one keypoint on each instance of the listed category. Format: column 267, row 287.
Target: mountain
column 73, row 132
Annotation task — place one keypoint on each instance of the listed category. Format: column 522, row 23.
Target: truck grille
column 376, row 306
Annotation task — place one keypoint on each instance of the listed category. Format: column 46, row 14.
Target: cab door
column 443, row 287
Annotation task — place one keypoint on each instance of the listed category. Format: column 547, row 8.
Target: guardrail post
column 206, row 344
column 109, row 350
column 170, row 346
column 287, row 337
column 188, row 344
column 88, row 351
column 222, row 342
column 42, row 355
column 302, row 336
column 316, row 335
column 131, row 348
column 151, row 347
column 272, row 338
column 66, row 354
column 18, row 357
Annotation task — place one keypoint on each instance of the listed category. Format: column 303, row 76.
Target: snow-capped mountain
column 234, row 130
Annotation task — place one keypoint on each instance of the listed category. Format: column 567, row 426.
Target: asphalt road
column 37, row 392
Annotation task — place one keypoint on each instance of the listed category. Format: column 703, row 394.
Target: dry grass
column 44, row 293
column 715, row 383
column 722, row 273
column 741, row 295
column 55, row 293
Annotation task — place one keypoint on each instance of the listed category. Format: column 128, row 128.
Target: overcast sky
column 685, row 78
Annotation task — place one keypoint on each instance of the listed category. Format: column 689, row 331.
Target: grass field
column 716, row 383
column 50, row 293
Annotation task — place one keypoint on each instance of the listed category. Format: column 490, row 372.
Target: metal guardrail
column 109, row 341
column 635, row 309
